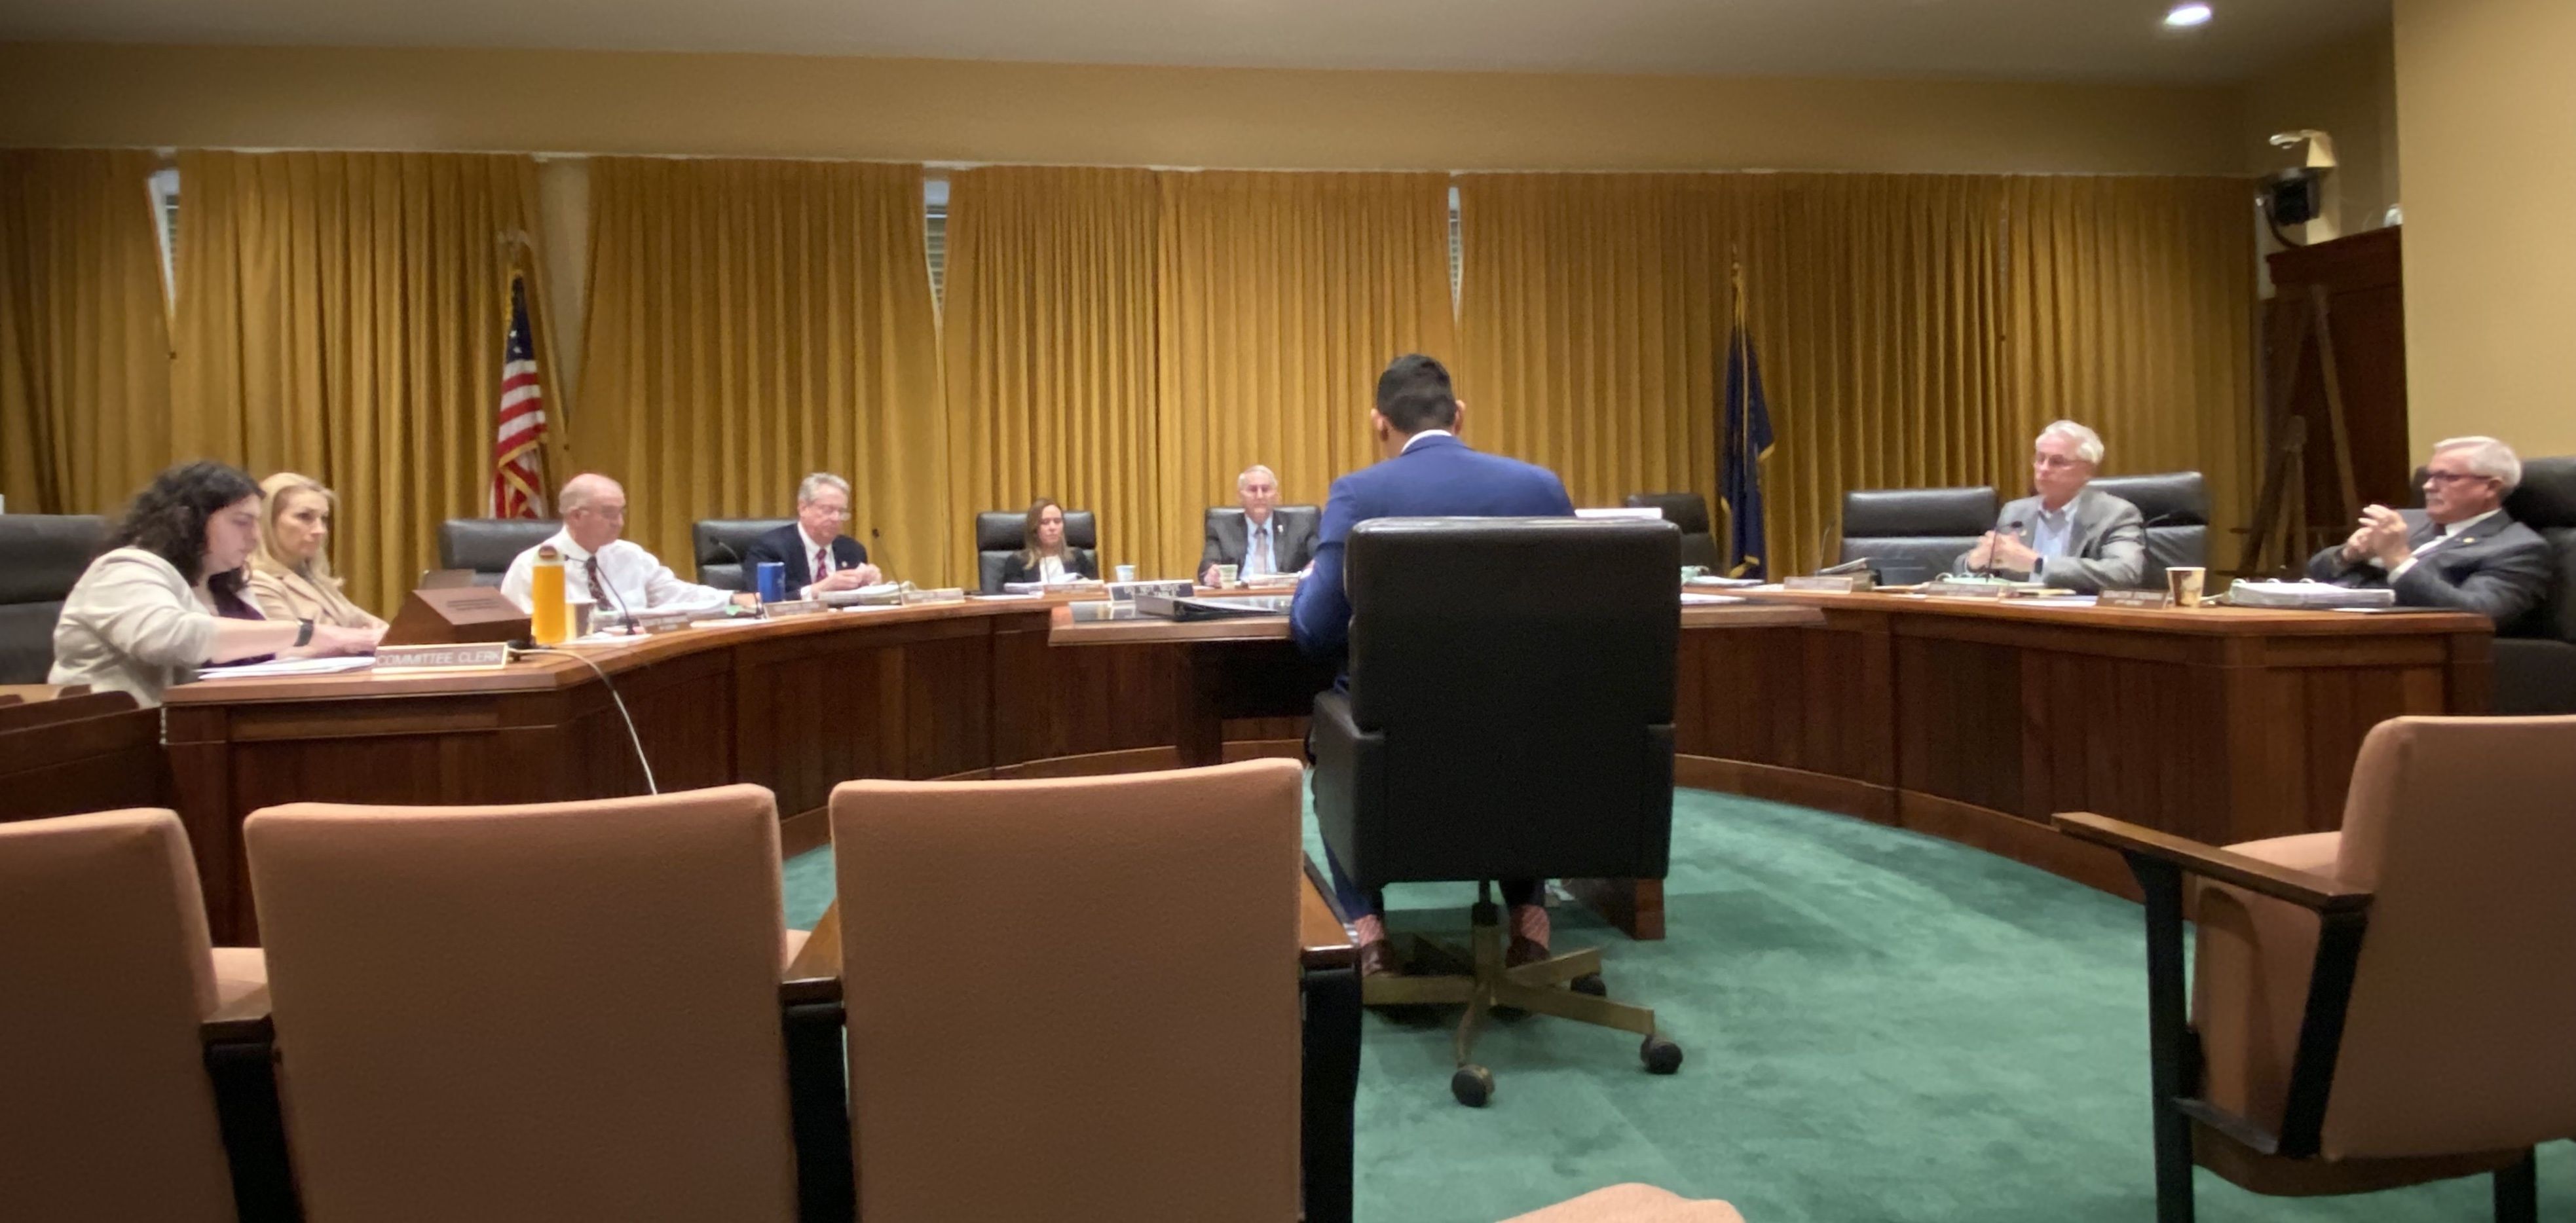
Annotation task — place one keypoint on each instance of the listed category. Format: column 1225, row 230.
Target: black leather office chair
column 1523, row 733
column 720, row 543
column 2175, row 506
column 999, row 533
column 1910, row 534
column 488, row 545
column 1689, row 511
column 41, row 557
column 2535, row 661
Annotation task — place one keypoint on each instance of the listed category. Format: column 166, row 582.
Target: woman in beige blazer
column 166, row 597
column 290, row 574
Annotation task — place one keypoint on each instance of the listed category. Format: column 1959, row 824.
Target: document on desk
column 288, row 666
column 1694, row 599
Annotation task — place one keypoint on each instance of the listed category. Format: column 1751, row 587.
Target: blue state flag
column 1739, row 458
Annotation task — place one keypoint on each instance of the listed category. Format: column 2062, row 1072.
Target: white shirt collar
column 1408, row 442
column 2459, row 528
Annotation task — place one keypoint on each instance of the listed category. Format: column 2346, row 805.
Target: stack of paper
column 2308, row 595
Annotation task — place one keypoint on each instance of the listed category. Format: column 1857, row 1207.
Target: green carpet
column 1879, row 1026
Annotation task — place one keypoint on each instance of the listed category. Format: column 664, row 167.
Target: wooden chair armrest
column 2210, row 862
column 815, row 974
column 243, row 1018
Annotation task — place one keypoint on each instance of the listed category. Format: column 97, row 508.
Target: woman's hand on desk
column 329, row 640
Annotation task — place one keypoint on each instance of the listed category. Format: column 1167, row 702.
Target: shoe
column 1524, row 951
column 1378, row 960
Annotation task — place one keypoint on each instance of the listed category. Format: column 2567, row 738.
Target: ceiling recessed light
column 2185, row 16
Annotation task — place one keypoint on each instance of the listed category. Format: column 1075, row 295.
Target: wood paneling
column 66, row 755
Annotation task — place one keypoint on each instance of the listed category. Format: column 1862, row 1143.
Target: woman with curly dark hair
column 167, row 596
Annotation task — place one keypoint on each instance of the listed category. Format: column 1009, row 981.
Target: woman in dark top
column 1043, row 556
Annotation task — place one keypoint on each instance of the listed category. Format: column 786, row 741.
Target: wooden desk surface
column 1275, row 628
column 2205, row 620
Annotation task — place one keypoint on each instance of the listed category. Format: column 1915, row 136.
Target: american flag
column 518, row 459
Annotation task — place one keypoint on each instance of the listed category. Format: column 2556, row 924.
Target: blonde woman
column 290, row 575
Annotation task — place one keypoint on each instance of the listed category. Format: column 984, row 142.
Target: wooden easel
column 2285, row 482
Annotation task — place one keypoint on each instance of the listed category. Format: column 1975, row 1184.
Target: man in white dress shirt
column 620, row 577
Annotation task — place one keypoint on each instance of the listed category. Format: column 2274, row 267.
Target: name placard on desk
column 2156, row 599
column 473, row 656
column 1126, row 592
column 944, row 594
column 793, row 607
column 1837, row 583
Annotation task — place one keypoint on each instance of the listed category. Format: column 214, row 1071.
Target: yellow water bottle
column 546, row 612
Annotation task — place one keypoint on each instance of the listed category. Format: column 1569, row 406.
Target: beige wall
column 2349, row 91
column 785, row 106
column 2487, row 110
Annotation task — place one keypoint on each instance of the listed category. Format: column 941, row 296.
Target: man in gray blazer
column 2067, row 535
column 2461, row 551
column 1263, row 540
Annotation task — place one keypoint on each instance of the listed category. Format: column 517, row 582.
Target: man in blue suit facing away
column 1428, row 473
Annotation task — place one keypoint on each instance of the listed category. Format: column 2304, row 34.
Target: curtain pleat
column 343, row 315
column 84, row 331
column 1913, row 330
column 1282, row 297
column 751, row 322
column 1051, row 348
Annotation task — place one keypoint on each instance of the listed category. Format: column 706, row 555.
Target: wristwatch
column 303, row 633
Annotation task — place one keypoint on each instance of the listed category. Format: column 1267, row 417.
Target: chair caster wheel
column 1592, row 984
column 1661, row 1056
column 1473, row 1085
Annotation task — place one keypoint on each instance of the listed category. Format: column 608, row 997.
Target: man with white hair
column 2066, row 535
column 617, row 575
column 819, row 555
column 2461, row 551
column 1263, row 540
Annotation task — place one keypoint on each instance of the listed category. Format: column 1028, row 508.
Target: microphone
column 2013, row 529
column 2147, row 542
column 876, row 554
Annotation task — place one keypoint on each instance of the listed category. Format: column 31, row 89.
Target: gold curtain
column 1051, row 342
column 343, row 315
column 1282, row 297
column 84, row 332
column 1912, row 330
column 2131, row 309
column 1872, row 305
column 1592, row 316
column 754, row 321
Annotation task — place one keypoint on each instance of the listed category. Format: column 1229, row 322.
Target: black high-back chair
column 720, row 542
column 1524, row 733
column 999, row 533
column 2535, row 660
column 41, row 557
column 488, row 545
column 1910, row 534
column 2175, row 506
column 1689, row 511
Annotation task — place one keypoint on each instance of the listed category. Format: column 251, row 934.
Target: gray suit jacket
column 1292, row 542
column 2107, row 550
column 2499, row 570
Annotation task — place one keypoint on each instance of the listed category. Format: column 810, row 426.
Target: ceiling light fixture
column 2186, row 16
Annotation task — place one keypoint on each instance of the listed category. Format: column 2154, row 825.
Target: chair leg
column 2517, row 1192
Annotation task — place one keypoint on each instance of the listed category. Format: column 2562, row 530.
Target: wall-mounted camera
column 2297, row 196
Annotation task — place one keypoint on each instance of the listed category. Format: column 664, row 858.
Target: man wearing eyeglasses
column 2461, row 551
column 618, row 575
column 819, row 557
column 2066, row 534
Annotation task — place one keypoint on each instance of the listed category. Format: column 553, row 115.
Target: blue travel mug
column 770, row 579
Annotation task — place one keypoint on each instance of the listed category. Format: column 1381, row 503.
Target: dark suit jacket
column 1076, row 560
column 1436, row 477
column 787, row 545
column 2499, row 570
column 1292, row 541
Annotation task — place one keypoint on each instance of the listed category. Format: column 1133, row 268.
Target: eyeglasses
column 2452, row 477
column 830, row 511
column 2053, row 462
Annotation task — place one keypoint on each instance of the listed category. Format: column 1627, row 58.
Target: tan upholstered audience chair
column 557, row 1011
column 106, row 1110
column 2380, row 1006
column 1100, row 1020
column 1632, row 1204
